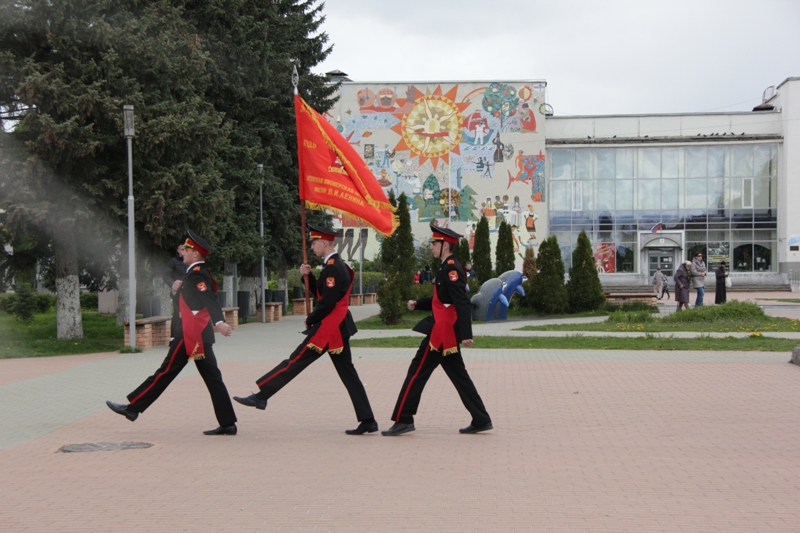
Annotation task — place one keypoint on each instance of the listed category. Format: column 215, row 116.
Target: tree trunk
column 69, row 323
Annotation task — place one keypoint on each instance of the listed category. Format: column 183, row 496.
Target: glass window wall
column 724, row 197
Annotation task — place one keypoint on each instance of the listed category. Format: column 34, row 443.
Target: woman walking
column 682, row 285
column 722, row 290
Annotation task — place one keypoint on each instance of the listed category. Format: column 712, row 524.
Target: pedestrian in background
column 682, row 285
column 659, row 279
column 698, row 271
column 721, row 294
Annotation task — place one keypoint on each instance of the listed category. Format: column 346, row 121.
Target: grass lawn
column 38, row 337
column 787, row 300
column 580, row 342
column 409, row 320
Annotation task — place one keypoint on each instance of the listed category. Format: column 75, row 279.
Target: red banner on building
column 333, row 176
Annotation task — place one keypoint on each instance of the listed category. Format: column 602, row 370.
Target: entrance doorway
column 663, row 258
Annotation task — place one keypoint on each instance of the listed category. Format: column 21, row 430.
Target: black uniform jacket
column 451, row 289
column 334, row 282
column 198, row 292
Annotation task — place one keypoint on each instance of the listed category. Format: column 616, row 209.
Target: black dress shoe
column 222, row 430
column 476, row 429
column 398, row 429
column 123, row 410
column 252, row 401
column 363, row 427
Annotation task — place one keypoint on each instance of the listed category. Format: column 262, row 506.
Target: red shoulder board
column 196, row 269
column 330, row 262
column 451, row 262
column 202, row 287
column 453, row 275
column 330, row 282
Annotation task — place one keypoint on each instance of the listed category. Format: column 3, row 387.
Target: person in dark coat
column 721, row 295
column 450, row 325
column 681, row 278
column 200, row 312
column 329, row 328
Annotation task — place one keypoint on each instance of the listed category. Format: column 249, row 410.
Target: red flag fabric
column 333, row 176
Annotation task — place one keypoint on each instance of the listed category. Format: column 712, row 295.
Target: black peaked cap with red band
column 326, row 234
column 444, row 234
column 198, row 243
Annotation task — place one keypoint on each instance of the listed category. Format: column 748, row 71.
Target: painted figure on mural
column 484, row 167
column 515, row 213
column 528, row 119
column 499, row 147
column 530, row 219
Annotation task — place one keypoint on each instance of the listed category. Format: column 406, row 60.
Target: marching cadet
column 329, row 328
column 199, row 312
column 450, row 324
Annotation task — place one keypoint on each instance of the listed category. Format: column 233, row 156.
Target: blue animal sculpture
column 512, row 282
column 487, row 298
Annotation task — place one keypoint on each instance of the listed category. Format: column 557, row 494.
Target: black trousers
column 420, row 370
column 288, row 369
column 149, row 391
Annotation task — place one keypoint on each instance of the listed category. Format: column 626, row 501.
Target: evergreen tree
column 504, row 252
column 404, row 261
column 462, row 254
column 548, row 292
column 583, row 287
column 389, row 244
column 482, row 251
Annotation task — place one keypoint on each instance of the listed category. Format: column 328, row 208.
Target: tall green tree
column 482, row 251
column 399, row 265
column 462, row 252
column 504, row 252
column 584, row 288
column 548, row 292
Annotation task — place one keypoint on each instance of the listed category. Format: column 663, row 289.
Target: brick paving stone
column 584, row 441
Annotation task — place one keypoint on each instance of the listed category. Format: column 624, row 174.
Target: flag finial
column 295, row 78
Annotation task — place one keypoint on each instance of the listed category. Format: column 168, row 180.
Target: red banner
column 333, row 176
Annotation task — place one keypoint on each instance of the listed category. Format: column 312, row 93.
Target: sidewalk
column 587, row 440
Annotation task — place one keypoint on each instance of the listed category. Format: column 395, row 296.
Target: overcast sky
column 597, row 56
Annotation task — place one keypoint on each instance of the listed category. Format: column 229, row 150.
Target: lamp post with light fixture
column 129, row 133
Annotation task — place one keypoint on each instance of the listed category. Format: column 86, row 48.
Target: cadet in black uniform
column 194, row 337
column 330, row 327
column 450, row 324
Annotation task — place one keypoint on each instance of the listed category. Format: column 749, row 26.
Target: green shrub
column 45, row 302
column 89, row 301
column 629, row 306
column 424, row 290
column 7, row 301
column 25, row 303
column 630, row 317
column 482, row 251
column 548, row 293
column 390, row 300
column 730, row 311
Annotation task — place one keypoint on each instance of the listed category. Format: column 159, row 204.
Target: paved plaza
column 583, row 441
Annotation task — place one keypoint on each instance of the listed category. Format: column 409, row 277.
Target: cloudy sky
column 597, row 56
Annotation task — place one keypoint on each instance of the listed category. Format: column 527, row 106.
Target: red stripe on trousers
column 411, row 382
column 171, row 360
column 282, row 369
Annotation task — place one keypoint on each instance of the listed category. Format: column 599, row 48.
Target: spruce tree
column 504, row 253
column 463, row 251
column 404, row 249
column 529, row 269
column 583, row 287
column 548, row 292
column 482, row 251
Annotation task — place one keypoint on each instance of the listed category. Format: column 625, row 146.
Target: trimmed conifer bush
column 504, row 253
column 548, row 292
column 482, row 251
column 584, row 289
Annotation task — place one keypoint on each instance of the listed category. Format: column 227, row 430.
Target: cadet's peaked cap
column 326, row 234
column 444, row 234
column 196, row 242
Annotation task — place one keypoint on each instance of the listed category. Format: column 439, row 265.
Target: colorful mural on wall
column 457, row 151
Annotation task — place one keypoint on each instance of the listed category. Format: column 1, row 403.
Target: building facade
column 649, row 190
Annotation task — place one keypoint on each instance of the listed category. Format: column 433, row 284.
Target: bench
column 299, row 306
column 152, row 331
column 231, row 316
column 370, row 298
column 622, row 298
column 355, row 300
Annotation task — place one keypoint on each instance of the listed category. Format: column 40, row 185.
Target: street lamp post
column 129, row 132
column 260, row 169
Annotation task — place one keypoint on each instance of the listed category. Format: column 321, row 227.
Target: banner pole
column 295, row 81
